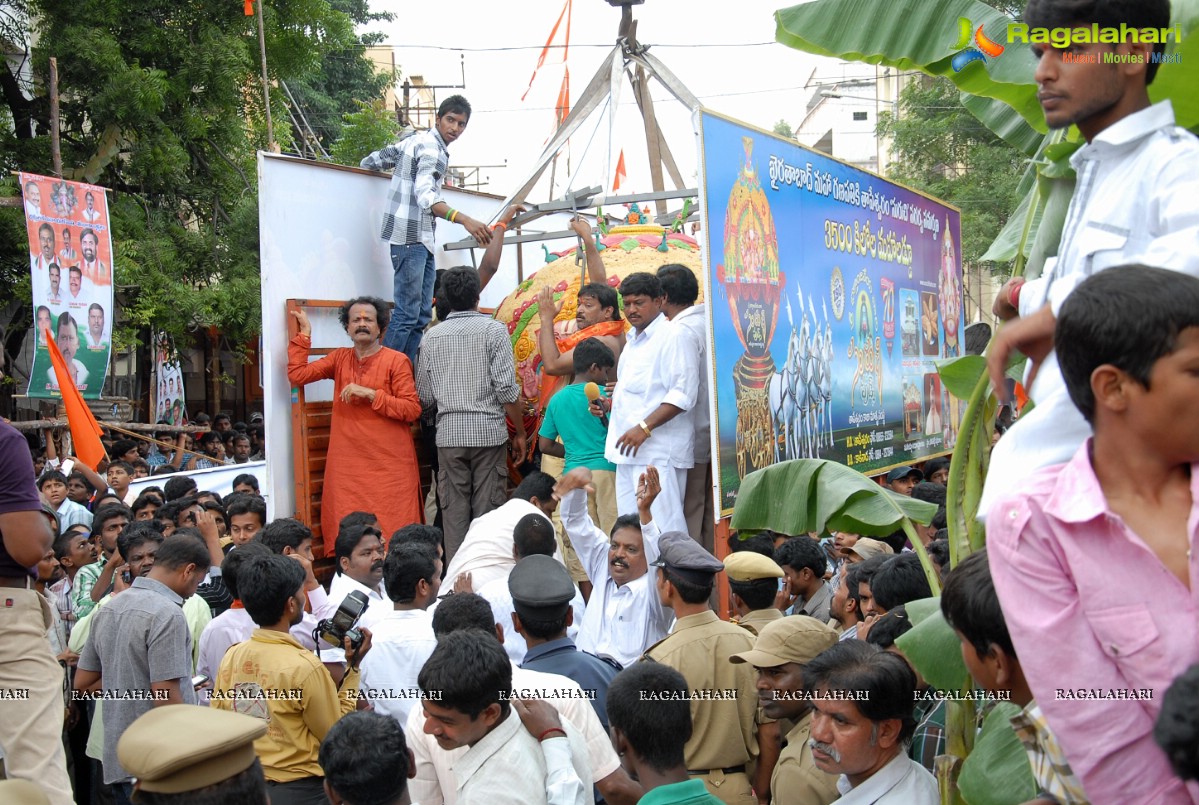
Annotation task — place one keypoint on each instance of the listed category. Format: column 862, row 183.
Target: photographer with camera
column 271, row 676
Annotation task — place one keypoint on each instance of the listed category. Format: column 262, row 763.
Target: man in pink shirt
column 1094, row 564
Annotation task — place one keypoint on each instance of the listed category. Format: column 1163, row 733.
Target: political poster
column 70, row 263
column 170, row 399
column 833, row 294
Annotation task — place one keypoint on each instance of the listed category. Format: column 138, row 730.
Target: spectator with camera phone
column 271, row 676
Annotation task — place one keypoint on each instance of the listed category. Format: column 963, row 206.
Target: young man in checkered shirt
column 414, row 201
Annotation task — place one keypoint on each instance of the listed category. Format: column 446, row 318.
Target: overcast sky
column 715, row 48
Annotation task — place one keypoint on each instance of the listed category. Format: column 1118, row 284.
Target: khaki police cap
column 751, row 566
column 22, row 792
column 795, row 638
column 866, row 548
column 181, row 747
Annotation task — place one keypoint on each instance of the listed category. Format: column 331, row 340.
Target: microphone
column 592, row 393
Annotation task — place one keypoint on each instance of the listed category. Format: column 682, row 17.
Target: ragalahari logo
column 983, row 46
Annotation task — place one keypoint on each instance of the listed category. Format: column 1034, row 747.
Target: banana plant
column 814, row 495
column 926, row 35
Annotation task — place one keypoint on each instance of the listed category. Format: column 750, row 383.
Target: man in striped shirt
column 419, row 164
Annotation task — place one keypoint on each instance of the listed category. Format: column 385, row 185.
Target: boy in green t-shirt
column 568, row 417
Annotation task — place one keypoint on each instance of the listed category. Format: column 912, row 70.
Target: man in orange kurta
column 374, row 406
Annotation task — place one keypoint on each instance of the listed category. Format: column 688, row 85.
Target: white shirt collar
column 1126, row 132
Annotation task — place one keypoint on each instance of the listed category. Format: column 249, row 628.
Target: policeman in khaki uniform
column 778, row 657
column 723, row 697
column 753, row 582
column 177, row 751
column 754, row 585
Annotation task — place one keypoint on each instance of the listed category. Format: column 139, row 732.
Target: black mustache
column 377, row 565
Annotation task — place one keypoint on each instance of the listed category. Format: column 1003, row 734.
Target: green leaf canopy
column 815, row 495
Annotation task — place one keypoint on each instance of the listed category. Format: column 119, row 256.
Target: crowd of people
column 559, row 640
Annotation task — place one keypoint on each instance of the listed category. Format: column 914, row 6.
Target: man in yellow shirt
column 271, row 676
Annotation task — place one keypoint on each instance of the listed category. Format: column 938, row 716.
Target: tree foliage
column 368, row 129
column 346, row 79
column 162, row 102
column 783, row 129
column 942, row 149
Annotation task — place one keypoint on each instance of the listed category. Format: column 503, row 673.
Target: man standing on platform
column 374, row 403
column 467, row 370
column 691, row 326
column 656, row 388
column 420, row 164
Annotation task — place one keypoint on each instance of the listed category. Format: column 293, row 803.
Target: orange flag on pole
column 563, row 107
column 620, row 171
column 545, row 50
column 85, row 430
column 249, row 8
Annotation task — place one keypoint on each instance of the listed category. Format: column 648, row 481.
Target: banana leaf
column 814, row 495
column 997, row 772
column 916, row 35
column 932, row 647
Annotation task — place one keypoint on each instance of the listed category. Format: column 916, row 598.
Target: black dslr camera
column 341, row 625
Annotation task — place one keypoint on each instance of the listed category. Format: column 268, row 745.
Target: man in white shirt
column 624, row 616
column 656, row 388
column 468, row 689
column 486, row 550
column 90, row 213
column 402, row 641
column 533, row 536
column 691, row 324
column 95, row 327
column 67, row 254
column 358, row 554
column 33, row 199
column 591, row 750
column 54, row 293
column 862, row 700
column 77, row 299
column 1136, row 200
column 40, row 260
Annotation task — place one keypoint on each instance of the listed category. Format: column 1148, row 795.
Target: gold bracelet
column 645, row 428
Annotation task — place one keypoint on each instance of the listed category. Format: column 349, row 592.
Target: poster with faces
column 170, row 400
column 70, row 264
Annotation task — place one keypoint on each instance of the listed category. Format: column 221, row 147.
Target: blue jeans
column 415, row 274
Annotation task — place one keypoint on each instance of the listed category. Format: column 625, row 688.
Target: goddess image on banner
column 841, row 292
column 170, row 403
column 70, row 265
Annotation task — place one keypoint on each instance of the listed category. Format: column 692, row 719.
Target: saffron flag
column 249, row 8
column 85, row 430
column 563, row 108
column 620, row 171
column 548, row 43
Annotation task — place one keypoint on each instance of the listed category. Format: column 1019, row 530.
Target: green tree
column 346, row 77
column 943, row 150
column 783, row 129
column 368, row 129
column 162, row 103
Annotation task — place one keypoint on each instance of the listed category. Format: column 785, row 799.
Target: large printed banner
column 70, row 261
column 833, row 293
column 170, row 403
